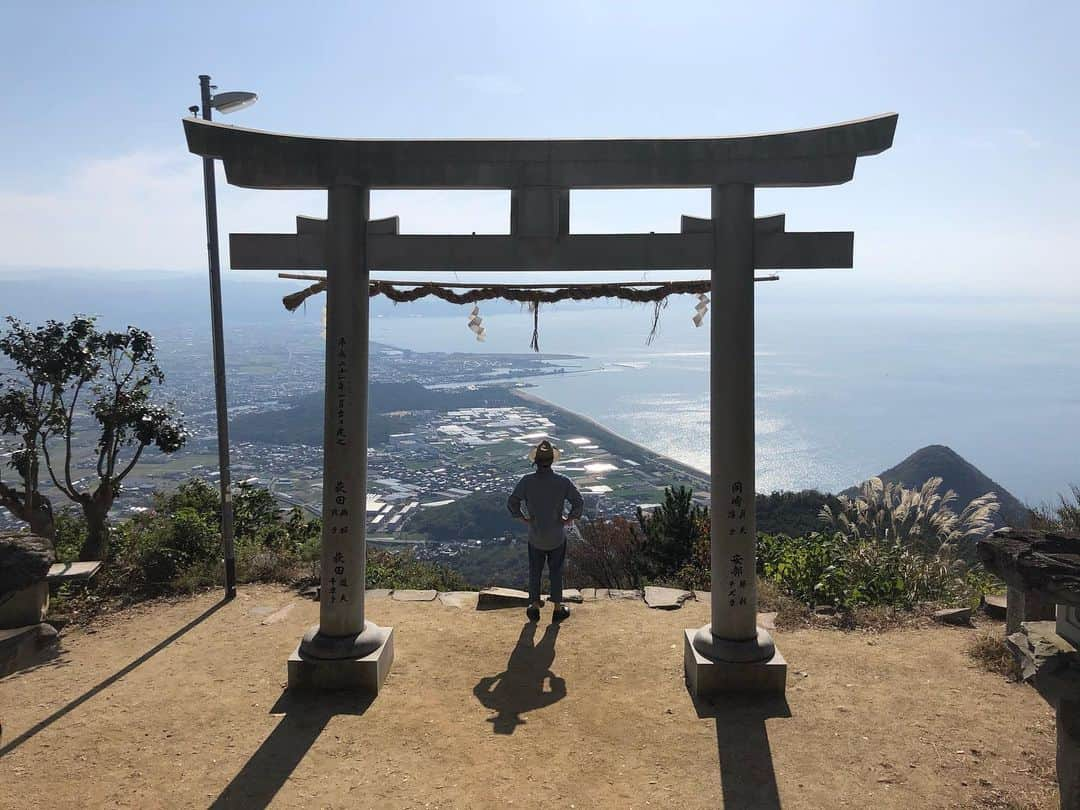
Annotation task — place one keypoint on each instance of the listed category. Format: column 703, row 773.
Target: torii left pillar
column 345, row 651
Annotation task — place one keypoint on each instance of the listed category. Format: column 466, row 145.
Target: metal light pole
column 225, row 102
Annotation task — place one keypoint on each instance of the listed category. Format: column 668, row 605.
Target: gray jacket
column 544, row 493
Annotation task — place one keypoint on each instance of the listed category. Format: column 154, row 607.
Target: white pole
column 733, row 634
column 343, row 631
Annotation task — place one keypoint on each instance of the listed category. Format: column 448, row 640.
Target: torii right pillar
column 731, row 653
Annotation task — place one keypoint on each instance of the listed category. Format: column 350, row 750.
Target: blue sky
column 977, row 194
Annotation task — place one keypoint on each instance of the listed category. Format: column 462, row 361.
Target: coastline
column 617, row 444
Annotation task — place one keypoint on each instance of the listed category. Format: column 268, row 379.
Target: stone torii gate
column 731, row 652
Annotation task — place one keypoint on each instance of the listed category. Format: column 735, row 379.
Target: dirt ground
column 182, row 704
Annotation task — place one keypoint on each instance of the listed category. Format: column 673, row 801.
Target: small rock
column 573, row 595
column 379, row 593
column 624, row 593
column 953, row 616
column 767, row 621
column 311, row 593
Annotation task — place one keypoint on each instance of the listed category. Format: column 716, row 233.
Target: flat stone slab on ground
column 703, row 596
column 408, row 595
column 588, row 594
column 380, row 593
column 501, row 598
column 666, row 598
column 995, row 606
column 623, row 593
column 568, row 595
column 460, row 599
column 953, row 616
column 73, row 571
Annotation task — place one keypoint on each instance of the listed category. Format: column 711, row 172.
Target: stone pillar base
column 365, row 674
column 24, row 607
column 706, row 677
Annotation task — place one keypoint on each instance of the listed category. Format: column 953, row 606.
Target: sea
column 844, row 388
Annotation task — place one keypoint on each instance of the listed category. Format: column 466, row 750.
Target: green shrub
column 849, row 572
column 387, row 569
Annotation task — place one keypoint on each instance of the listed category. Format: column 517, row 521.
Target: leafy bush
column 176, row 546
column 849, row 572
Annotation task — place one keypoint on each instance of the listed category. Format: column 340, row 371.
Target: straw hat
column 544, row 453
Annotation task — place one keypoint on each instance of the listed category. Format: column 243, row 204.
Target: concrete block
column 365, row 674
column 705, row 677
column 20, row 646
column 25, row 606
column 377, row 593
column 1068, row 624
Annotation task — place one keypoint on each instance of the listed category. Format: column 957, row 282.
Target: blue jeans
column 555, row 559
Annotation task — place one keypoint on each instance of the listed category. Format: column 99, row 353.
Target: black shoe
column 533, row 612
column 561, row 612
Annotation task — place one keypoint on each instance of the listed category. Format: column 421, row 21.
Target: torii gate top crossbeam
column 810, row 157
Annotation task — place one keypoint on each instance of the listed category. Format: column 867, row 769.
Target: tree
column 63, row 361
column 46, row 359
column 670, row 531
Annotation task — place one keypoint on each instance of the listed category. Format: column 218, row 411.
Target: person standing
column 544, row 495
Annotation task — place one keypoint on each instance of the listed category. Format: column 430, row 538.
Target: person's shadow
column 521, row 686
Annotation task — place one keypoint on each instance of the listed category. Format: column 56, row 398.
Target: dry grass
column 989, row 650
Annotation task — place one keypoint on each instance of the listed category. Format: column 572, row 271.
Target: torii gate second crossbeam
column 729, row 653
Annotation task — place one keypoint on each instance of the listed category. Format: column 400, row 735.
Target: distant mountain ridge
column 957, row 474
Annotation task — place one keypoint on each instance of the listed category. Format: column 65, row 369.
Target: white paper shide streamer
column 475, row 323
column 701, row 309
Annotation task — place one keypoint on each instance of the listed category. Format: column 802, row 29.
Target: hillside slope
column 959, row 475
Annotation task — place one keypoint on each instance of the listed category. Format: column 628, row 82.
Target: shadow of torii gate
column 731, row 652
